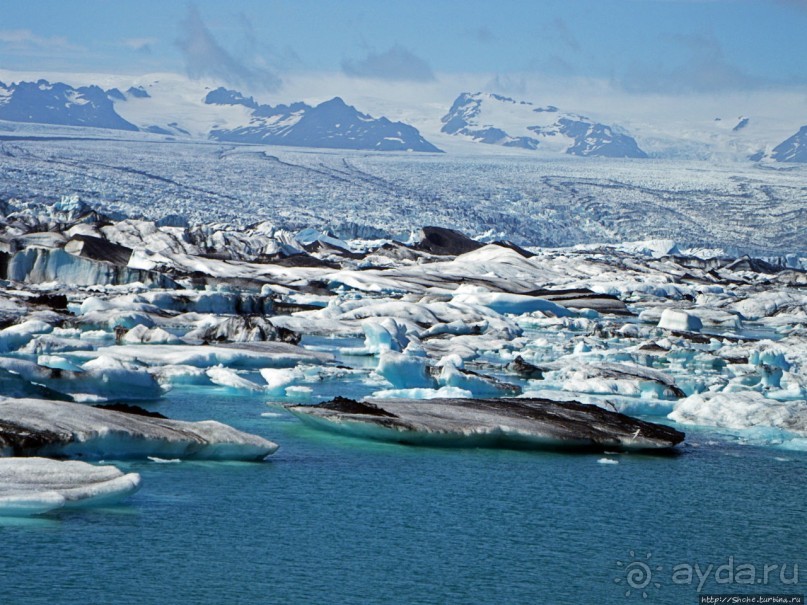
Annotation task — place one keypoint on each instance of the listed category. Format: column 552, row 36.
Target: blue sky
column 639, row 45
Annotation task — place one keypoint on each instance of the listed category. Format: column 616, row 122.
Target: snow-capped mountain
column 221, row 114
column 498, row 120
column 332, row 124
column 793, row 149
column 58, row 103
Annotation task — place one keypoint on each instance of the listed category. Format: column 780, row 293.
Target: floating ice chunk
column 112, row 379
column 144, row 335
column 277, row 379
column 308, row 236
column 515, row 304
column 506, row 423
column 180, row 374
column 48, row 343
column 455, row 328
column 655, row 248
column 56, row 362
column 770, row 356
column 441, row 393
column 31, row 486
column 236, row 329
column 117, row 318
column 96, row 335
column 741, row 410
column 767, row 303
column 679, row 321
column 405, row 371
column 56, row 428
column 244, row 355
column 102, row 379
column 629, row 331
column 17, row 336
column 229, row 378
column 453, row 360
column 452, row 375
column 298, row 391
column 385, row 335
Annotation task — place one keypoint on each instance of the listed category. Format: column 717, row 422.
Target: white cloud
column 397, row 63
column 205, row 57
column 706, row 69
column 22, row 40
column 141, row 45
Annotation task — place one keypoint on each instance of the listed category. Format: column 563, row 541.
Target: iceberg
column 405, row 371
column 15, row 337
column 515, row 304
column 243, row 355
column 741, row 410
column 30, row 486
column 36, row 427
column 497, row 423
column 229, row 378
column 385, row 335
column 679, row 321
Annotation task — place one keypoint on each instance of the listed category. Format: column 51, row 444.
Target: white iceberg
column 30, row 486
column 679, row 321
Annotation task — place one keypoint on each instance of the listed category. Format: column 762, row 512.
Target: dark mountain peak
column 332, row 124
column 115, row 94
column 792, row 150
column 138, row 92
column 225, row 96
column 469, row 117
column 59, row 103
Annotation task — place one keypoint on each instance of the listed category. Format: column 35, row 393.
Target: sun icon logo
column 638, row 575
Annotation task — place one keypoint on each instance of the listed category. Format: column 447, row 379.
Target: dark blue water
column 335, row 520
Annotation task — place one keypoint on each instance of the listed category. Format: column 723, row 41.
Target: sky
column 642, row 46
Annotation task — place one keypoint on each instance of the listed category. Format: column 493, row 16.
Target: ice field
column 543, row 200
column 222, row 351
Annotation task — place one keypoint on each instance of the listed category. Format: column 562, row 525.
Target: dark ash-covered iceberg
column 503, row 423
column 36, row 427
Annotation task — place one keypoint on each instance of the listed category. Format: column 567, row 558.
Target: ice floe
column 30, row 486
column 508, row 423
column 33, row 427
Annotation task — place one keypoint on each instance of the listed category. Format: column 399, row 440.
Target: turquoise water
column 335, row 520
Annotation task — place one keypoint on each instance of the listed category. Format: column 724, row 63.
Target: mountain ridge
column 495, row 119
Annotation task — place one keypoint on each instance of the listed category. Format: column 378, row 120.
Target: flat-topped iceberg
column 31, row 427
column 30, row 486
column 742, row 410
column 500, row 423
